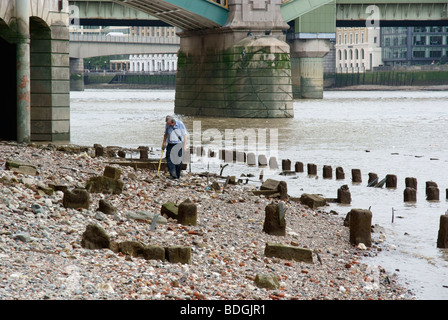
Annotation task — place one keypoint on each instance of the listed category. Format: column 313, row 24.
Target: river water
column 404, row 133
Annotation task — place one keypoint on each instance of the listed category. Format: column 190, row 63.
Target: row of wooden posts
column 390, row 181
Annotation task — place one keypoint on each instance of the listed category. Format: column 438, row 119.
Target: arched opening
column 8, row 107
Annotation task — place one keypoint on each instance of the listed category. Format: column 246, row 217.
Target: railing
column 124, row 38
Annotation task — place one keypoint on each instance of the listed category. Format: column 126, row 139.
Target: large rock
column 178, row 254
column 270, row 184
column 187, row 213
column 95, row 237
column 145, row 215
column 267, row 280
column 76, row 199
column 21, row 167
column 274, row 222
column 112, row 172
column 106, row 207
column 360, row 226
column 288, row 252
column 169, row 209
column 313, row 200
column 106, row 185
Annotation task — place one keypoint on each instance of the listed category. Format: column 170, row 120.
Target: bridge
column 237, row 58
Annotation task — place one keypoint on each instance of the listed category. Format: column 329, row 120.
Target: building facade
column 357, row 49
column 414, row 45
column 153, row 62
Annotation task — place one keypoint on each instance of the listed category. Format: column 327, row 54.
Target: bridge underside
column 204, row 16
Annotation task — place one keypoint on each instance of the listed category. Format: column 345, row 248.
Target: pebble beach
column 42, row 257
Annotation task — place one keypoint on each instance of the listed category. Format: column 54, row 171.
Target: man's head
column 170, row 120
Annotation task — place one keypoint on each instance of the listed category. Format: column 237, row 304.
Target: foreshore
column 42, row 255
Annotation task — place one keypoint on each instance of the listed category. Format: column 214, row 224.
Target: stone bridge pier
column 242, row 69
column 307, row 64
column 34, row 41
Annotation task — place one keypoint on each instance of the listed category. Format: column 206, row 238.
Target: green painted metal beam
column 208, row 9
column 295, row 8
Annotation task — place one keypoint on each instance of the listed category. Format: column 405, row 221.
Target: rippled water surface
column 386, row 132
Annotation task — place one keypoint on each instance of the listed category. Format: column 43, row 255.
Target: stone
column 411, row 182
column 288, row 252
column 76, row 199
column 21, row 167
column 143, row 152
column 313, row 200
column 187, row 213
column 169, row 209
column 432, row 193
column 410, row 194
column 22, row 236
column 356, row 176
column 274, row 222
column 267, row 280
column 327, row 172
column 286, row 165
column 95, row 237
column 373, row 179
column 152, row 252
column 360, row 226
column 298, row 166
column 391, row 181
column 112, row 172
column 262, row 160
column 178, row 254
column 442, row 237
column 106, row 207
column 106, row 185
column 215, row 186
column 251, row 159
column 270, row 184
column 145, row 215
column 312, row 169
column 273, row 164
column 131, row 248
column 344, row 196
column 283, row 190
column 340, row 175
column 99, row 150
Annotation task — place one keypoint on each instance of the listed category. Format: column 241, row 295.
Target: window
column 340, row 39
column 351, row 38
column 339, row 55
column 356, row 38
column 362, row 37
column 345, row 38
column 356, row 54
column 345, row 54
column 362, row 53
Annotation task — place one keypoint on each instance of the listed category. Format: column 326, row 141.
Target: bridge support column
column 76, row 74
column 307, row 64
column 241, row 70
column 23, row 72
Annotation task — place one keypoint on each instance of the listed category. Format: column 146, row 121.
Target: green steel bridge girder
column 214, row 15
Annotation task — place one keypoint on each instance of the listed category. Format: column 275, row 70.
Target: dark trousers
column 174, row 158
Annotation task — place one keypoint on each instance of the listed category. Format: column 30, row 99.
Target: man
column 175, row 141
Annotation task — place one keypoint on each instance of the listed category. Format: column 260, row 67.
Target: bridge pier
column 23, row 71
column 76, row 74
column 35, row 41
column 241, row 70
column 307, row 64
